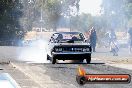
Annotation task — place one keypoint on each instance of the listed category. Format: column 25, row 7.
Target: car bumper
column 72, row 55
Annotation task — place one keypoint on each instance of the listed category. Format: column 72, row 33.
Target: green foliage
column 128, row 9
column 9, row 19
column 58, row 9
column 117, row 12
column 46, row 13
column 82, row 22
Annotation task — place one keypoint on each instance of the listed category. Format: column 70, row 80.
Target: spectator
column 130, row 39
column 87, row 34
column 93, row 38
column 112, row 37
column 114, row 47
column 74, row 38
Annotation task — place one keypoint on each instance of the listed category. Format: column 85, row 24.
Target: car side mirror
column 51, row 40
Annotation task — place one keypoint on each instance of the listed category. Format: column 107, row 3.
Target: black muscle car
column 68, row 46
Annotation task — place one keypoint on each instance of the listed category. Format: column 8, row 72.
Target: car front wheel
column 88, row 60
column 53, row 60
column 48, row 57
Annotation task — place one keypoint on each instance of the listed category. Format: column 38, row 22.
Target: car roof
column 67, row 33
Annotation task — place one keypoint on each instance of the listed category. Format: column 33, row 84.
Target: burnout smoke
column 35, row 52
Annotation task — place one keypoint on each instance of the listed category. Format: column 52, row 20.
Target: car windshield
column 65, row 37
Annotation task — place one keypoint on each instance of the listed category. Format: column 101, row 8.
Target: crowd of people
column 112, row 38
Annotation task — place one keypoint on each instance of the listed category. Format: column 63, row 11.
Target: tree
column 51, row 11
column 9, row 20
column 82, row 22
column 114, row 12
column 60, row 9
column 117, row 12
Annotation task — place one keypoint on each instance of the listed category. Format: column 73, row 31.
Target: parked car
column 68, row 46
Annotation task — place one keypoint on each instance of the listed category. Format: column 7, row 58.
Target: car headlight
column 58, row 49
column 86, row 49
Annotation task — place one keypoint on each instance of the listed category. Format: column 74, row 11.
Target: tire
column 48, row 57
column 53, row 60
column 88, row 60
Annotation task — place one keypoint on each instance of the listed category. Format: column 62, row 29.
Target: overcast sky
column 90, row 6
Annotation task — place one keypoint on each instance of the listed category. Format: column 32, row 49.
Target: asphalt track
column 62, row 75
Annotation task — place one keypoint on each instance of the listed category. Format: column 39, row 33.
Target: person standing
column 114, row 47
column 112, row 37
column 130, row 39
column 93, row 38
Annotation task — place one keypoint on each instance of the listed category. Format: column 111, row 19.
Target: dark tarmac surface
column 64, row 75
column 28, row 69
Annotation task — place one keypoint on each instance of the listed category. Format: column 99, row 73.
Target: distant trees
column 10, row 12
column 82, row 22
column 47, row 13
column 60, row 10
column 118, row 13
column 19, row 16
